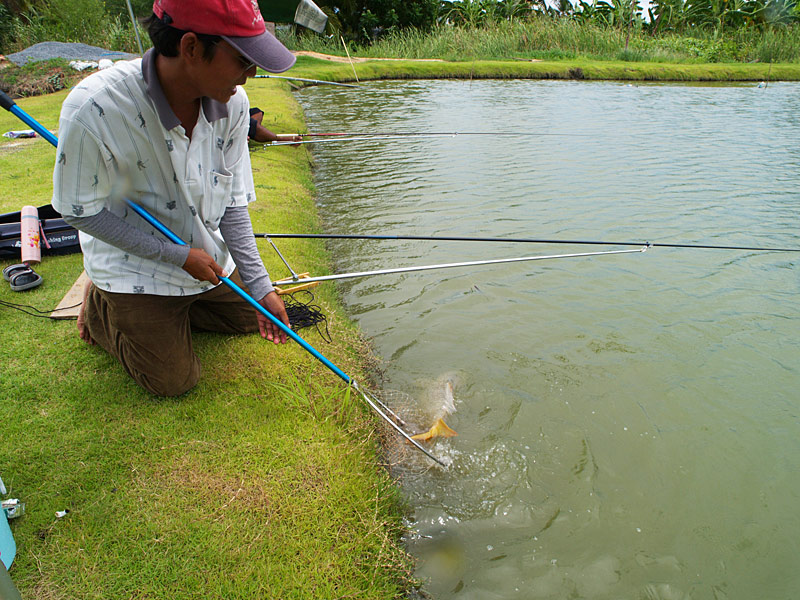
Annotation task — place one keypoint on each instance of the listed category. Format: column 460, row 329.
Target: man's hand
column 289, row 137
column 269, row 330
column 201, row 266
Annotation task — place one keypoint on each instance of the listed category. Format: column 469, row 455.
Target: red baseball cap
column 239, row 22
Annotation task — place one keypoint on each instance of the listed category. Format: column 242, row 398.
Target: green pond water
column 628, row 425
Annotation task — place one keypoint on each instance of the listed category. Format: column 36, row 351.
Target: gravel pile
column 48, row 50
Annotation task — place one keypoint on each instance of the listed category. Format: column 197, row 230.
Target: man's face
column 226, row 70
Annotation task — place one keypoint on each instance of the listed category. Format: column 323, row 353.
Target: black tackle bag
column 63, row 238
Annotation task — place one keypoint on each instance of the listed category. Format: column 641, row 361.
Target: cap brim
column 264, row 50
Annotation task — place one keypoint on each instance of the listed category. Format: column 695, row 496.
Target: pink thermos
column 30, row 236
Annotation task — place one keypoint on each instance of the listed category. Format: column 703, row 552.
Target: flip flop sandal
column 10, row 270
column 26, row 279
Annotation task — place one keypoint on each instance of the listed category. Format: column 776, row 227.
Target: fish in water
column 434, row 400
column 448, row 406
column 439, row 429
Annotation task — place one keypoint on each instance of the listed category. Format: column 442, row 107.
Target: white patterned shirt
column 119, row 138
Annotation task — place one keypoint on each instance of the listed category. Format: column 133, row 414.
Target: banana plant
column 609, row 13
column 667, row 15
column 469, row 13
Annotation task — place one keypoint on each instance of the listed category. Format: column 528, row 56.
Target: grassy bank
column 40, row 78
column 53, row 75
column 263, row 482
column 311, row 67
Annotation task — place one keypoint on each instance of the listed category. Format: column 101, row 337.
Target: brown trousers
column 152, row 335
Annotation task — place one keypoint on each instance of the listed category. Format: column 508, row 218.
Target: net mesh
column 403, row 457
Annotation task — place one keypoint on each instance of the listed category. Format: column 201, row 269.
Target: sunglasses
column 245, row 63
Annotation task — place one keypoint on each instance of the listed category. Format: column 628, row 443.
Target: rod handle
column 5, row 101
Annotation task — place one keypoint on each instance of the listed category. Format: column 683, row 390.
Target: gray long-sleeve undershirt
column 235, row 226
column 237, row 231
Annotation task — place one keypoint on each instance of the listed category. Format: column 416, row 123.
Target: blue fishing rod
column 371, row 400
column 15, row 110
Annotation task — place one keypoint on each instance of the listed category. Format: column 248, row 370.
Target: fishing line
column 35, row 312
column 304, row 313
column 346, row 51
column 346, row 236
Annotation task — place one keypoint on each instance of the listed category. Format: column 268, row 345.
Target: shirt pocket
column 217, row 197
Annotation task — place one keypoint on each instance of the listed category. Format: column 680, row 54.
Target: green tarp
column 278, row 11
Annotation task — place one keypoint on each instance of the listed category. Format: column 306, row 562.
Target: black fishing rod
column 321, row 81
column 344, row 236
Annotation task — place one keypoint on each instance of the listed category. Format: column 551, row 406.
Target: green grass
column 315, row 68
column 262, row 482
column 564, row 39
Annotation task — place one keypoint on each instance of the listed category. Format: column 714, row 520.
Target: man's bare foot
column 83, row 331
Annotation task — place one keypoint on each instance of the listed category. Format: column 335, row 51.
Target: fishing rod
column 429, row 133
column 472, row 263
column 371, row 400
column 347, row 139
column 336, row 137
column 15, row 110
column 343, row 236
column 350, row 85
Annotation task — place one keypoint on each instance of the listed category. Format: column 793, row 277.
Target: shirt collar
column 212, row 109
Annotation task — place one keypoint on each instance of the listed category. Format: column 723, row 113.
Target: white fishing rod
column 472, row 263
column 360, row 137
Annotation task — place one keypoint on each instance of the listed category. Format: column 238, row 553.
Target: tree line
column 365, row 21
